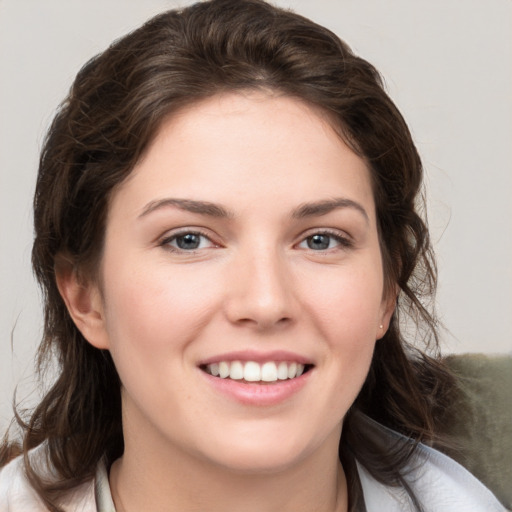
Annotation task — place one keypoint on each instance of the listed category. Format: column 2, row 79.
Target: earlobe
column 388, row 308
column 83, row 301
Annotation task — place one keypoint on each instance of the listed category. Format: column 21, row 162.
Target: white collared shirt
column 439, row 483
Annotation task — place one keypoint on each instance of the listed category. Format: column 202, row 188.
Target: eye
column 187, row 241
column 324, row 241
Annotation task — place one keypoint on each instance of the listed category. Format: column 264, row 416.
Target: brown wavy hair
column 113, row 111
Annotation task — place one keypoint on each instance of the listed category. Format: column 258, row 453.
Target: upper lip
column 257, row 357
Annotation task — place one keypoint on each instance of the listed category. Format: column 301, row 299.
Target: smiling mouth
column 254, row 372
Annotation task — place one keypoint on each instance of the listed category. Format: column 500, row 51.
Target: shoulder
column 17, row 495
column 15, row 492
column 438, row 482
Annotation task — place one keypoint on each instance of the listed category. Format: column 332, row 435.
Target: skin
column 255, row 282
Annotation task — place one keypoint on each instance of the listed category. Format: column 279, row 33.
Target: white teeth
column 214, row 369
column 282, row 371
column 269, row 372
column 255, row 372
column 237, row 371
column 252, row 371
column 223, row 369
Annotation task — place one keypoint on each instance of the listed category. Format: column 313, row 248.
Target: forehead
column 236, row 147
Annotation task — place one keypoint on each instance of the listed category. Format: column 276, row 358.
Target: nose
column 260, row 291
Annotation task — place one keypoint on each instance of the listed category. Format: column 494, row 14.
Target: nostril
column 260, row 322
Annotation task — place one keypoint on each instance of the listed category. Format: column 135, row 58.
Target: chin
column 261, row 452
column 259, row 461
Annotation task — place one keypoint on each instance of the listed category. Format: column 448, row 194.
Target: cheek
column 347, row 311
column 348, row 305
column 153, row 305
column 152, row 317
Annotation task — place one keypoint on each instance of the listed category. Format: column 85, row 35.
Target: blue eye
column 188, row 241
column 318, row 242
column 323, row 242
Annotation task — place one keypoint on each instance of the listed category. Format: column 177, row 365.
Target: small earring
column 381, row 326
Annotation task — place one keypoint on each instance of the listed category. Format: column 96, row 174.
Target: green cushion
column 483, row 424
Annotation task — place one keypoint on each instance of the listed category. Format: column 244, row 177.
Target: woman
column 227, row 237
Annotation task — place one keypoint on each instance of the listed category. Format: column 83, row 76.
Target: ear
column 84, row 302
column 387, row 310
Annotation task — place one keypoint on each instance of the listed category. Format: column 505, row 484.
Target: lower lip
column 258, row 394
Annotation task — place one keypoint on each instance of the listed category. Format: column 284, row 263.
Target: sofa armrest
column 482, row 425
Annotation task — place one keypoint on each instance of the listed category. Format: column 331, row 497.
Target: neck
column 169, row 480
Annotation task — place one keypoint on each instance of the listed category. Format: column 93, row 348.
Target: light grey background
column 448, row 66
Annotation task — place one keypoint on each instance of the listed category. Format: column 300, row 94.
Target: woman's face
column 245, row 243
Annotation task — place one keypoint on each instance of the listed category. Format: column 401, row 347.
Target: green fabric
column 483, row 423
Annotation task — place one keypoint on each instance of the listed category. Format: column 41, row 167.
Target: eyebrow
column 313, row 209
column 326, row 206
column 189, row 205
